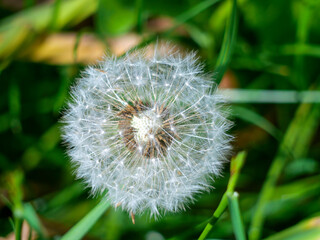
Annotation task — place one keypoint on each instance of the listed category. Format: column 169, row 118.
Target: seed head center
column 146, row 129
column 146, row 125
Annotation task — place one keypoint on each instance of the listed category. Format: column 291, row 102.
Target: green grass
column 251, row 45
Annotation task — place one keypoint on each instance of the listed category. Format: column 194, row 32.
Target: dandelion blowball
column 145, row 132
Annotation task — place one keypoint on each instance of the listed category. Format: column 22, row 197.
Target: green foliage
column 115, row 17
column 235, row 167
column 252, row 45
column 237, row 223
column 84, row 225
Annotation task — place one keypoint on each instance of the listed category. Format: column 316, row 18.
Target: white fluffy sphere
column 146, row 132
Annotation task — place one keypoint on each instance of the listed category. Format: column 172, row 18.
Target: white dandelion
column 145, row 132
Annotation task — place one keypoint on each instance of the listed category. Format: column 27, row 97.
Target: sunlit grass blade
column 311, row 50
column 307, row 229
column 14, row 29
column 39, row 17
column 270, row 96
column 79, row 230
column 235, row 168
column 291, row 195
column 55, row 14
column 236, row 218
column 298, row 134
column 229, row 40
column 13, row 38
column 30, row 215
column 253, row 117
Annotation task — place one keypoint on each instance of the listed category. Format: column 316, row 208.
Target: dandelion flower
column 145, row 132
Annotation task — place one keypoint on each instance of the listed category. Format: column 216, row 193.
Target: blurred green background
column 44, row 45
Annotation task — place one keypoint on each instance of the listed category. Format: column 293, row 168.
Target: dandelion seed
column 145, row 131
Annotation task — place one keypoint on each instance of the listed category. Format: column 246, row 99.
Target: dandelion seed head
column 145, row 132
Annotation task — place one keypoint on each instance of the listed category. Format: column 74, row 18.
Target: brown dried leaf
column 24, row 233
column 59, row 48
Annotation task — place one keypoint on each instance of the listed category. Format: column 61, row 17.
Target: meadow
column 264, row 57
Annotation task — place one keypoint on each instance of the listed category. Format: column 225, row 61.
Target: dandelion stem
column 236, row 165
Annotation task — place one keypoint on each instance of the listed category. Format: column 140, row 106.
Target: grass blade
column 254, row 118
column 139, row 10
column 308, row 229
column 30, row 215
column 192, row 12
column 79, row 230
column 236, row 216
column 298, row 134
column 227, row 45
column 37, row 19
column 18, row 228
column 182, row 18
column 241, row 95
column 301, row 49
column 55, row 14
column 303, row 27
